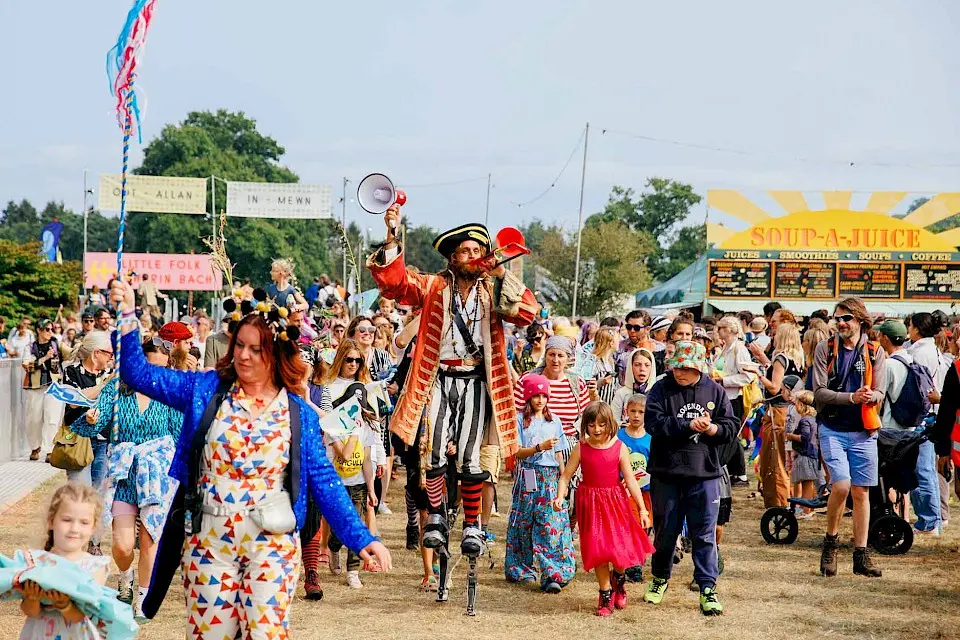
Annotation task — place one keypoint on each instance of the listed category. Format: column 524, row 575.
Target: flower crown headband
column 273, row 315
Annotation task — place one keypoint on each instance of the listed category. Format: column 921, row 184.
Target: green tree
column 689, row 243
column 418, row 246
column 916, row 204
column 31, row 286
column 612, row 265
column 656, row 212
column 533, row 233
column 228, row 145
column 20, row 222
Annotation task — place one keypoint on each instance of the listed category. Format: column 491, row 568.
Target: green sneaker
column 656, row 591
column 709, row 604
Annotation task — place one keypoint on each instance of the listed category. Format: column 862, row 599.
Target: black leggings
column 732, row 454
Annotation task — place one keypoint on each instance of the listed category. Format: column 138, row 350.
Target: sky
column 438, row 92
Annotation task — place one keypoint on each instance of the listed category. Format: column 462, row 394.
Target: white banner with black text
column 155, row 194
column 278, row 200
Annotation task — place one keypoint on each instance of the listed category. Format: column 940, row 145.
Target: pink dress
column 609, row 531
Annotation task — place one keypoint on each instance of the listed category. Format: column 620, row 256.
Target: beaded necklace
column 470, row 316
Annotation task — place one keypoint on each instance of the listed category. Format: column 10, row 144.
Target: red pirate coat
column 508, row 300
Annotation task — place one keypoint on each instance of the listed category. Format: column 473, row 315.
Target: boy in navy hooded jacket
column 689, row 418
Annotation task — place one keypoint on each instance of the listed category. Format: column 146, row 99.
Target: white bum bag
column 273, row 514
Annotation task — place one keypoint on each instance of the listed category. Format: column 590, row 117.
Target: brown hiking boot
column 312, row 586
column 828, row 557
column 862, row 565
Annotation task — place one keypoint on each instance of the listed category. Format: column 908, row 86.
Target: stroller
column 889, row 534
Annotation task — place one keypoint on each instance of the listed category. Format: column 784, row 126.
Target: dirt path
column 768, row 592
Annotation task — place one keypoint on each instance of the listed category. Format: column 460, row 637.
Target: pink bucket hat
column 533, row 385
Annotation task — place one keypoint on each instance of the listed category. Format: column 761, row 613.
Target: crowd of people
column 623, row 438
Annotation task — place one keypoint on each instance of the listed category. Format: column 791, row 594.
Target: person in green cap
column 689, row 419
column 893, row 333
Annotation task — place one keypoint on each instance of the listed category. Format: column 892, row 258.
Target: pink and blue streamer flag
column 122, row 62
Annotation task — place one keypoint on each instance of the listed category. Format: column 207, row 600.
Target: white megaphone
column 376, row 194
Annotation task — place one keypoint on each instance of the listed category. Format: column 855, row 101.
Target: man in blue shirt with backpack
column 849, row 380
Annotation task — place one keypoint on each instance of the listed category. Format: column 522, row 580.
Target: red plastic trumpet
column 510, row 246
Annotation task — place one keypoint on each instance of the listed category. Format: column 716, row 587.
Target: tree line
column 635, row 240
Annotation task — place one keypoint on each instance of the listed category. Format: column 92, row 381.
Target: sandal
column 428, row 584
column 324, row 559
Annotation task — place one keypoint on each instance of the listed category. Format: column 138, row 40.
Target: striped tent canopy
column 684, row 289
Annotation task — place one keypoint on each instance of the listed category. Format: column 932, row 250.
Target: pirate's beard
column 466, row 270
column 178, row 358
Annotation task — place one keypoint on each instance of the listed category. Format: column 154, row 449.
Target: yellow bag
column 70, row 451
column 752, row 394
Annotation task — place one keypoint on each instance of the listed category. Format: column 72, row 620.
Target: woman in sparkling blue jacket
column 250, row 449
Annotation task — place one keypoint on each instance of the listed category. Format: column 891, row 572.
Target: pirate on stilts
column 459, row 372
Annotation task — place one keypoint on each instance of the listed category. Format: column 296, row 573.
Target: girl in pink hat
column 539, row 543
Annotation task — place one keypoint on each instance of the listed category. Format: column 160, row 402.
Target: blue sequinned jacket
column 189, row 392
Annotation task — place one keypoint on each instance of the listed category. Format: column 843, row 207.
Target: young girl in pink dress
column 610, row 534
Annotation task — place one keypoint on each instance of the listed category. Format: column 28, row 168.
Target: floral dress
column 539, row 541
column 237, row 577
column 50, row 625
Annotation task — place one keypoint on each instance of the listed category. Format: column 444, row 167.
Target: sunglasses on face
column 353, row 360
column 635, row 327
column 86, row 320
column 846, row 317
column 366, row 329
column 109, row 354
column 163, row 344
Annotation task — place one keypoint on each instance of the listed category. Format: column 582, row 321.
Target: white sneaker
column 353, row 580
column 384, row 510
column 126, row 589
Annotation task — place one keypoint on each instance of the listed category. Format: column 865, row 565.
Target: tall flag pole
column 122, row 62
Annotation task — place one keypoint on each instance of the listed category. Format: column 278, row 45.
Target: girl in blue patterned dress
column 538, row 537
column 136, row 484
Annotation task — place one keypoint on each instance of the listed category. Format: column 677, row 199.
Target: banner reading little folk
column 155, row 194
column 169, row 271
column 278, row 200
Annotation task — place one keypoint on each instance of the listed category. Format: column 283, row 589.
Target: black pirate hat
column 354, row 390
column 446, row 243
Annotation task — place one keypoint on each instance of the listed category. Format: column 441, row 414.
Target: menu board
column 931, row 281
column 739, row 278
column 869, row 279
column 805, row 280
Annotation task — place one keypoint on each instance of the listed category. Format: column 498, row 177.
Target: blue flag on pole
column 69, row 395
column 50, row 237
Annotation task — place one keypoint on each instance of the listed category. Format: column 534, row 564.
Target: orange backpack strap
column 831, row 354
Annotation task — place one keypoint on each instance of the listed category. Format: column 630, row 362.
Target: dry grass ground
column 768, row 592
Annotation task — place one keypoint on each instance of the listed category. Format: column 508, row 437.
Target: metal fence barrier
column 13, row 433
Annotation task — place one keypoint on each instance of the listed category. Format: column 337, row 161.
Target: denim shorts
column 850, row 456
